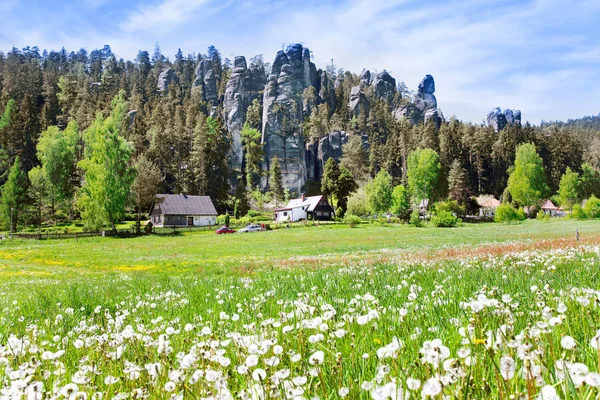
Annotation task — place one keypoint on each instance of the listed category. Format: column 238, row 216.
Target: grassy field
column 207, row 253
column 375, row 312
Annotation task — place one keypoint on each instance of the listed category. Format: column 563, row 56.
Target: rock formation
column 165, row 79
column 243, row 86
column 498, row 119
column 423, row 107
column 328, row 147
column 384, row 86
column 365, row 77
column 291, row 73
column 206, row 81
column 358, row 101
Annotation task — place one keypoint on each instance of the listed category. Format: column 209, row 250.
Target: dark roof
column 181, row 204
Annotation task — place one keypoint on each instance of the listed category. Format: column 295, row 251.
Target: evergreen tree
column 13, row 195
column 355, row 158
column 146, row 185
column 590, row 181
column 457, row 183
column 276, row 181
column 253, row 152
column 331, row 174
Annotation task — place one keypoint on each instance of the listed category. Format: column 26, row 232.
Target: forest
column 86, row 135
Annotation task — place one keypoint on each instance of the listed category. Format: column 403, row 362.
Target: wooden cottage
column 180, row 210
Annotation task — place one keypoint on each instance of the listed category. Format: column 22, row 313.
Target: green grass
column 198, row 305
column 205, row 252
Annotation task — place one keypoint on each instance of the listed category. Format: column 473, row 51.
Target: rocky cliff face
column 384, row 86
column 291, row 73
column 206, row 81
column 165, row 78
column 423, row 107
column 499, row 119
column 243, row 86
column 328, row 147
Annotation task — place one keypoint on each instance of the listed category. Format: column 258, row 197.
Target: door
column 190, row 221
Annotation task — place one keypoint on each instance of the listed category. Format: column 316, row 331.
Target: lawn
column 205, row 252
column 375, row 312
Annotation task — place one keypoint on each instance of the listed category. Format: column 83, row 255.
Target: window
column 169, row 218
column 285, row 213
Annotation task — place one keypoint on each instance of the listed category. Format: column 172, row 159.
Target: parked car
column 224, row 229
column 251, row 228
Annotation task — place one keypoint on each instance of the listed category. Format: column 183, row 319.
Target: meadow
column 373, row 312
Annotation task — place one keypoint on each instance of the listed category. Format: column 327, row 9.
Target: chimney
column 303, row 197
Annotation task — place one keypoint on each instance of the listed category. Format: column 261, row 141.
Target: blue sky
column 542, row 56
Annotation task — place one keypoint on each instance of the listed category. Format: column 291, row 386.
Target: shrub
column 352, row 220
column 592, row 207
column 521, row 214
column 221, row 219
column 340, row 212
column 415, row 219
column 508, row 214
column 578, row 213
column 450, row 206
column 358, row 203
column 445, row 219
column 542, row 216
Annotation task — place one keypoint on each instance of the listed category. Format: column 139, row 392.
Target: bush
column 508, row 214
column 542, row 216
column 578, row 213
column 450, row 206
column 445, row 219
column 352, row 220
column 592, row 207
column 221, row 219
column 415, row 219
column 340, row 212
column 358, row 203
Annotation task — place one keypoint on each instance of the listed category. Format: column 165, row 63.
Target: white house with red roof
column 302, row 208
column 487, row 205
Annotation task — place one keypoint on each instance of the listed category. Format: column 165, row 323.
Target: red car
column 224, row 229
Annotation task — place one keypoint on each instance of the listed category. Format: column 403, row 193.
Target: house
column 549, row 208
column 313, row 207
column 180, row 210
column 487, row 205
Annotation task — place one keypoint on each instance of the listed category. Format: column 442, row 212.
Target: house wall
column 292, row 215
column 182, row 220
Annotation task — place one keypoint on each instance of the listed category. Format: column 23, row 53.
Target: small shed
column 549, row 208
column 315, row 207
column 180, row 210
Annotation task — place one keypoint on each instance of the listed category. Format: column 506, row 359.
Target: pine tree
column 276, row 181
column 457, row 183
column 13, row 195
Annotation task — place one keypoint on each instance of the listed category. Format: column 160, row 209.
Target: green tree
column 57, row 151
column 379, row 192
column 344, row 187
column 354, row 157
column 331, row 174
column 527, row 180
column 38, row 192
column 590, row 181
column 358, row 203
column 400, row 202
column 423, row 174
column 568, row 191
column 457, row 183
column 14, row 194
column 147, row 183
column 108, row 171
column 276, row 180
column 253, row 152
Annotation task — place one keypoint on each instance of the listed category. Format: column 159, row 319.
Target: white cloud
column 162, row 16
